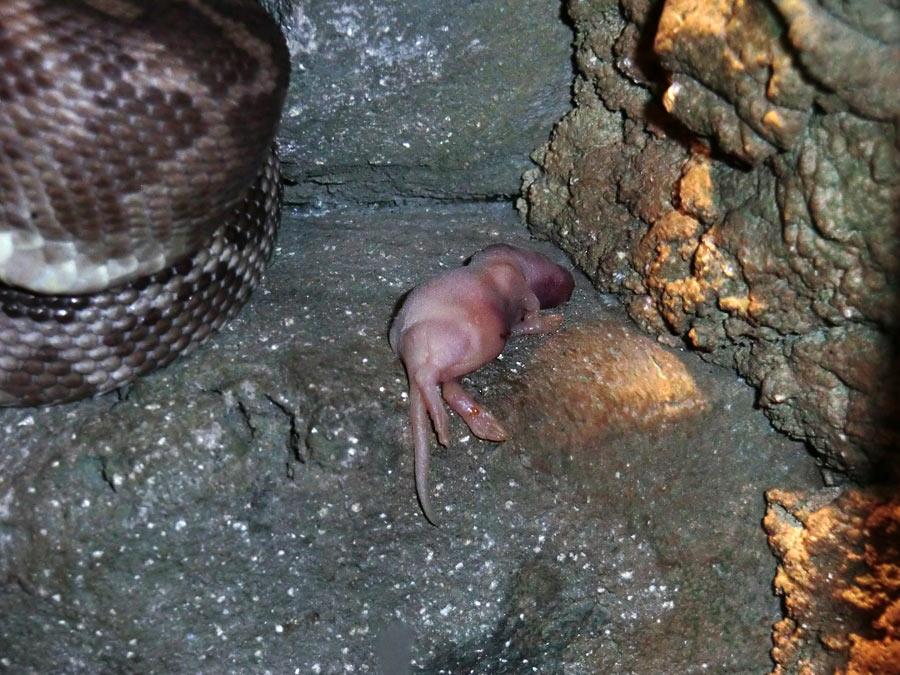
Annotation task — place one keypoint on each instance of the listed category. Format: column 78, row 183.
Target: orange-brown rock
column 840, row 578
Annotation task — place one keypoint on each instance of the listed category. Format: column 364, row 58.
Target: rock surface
column 251, row 508
column 405, row 100
column 733, row 169
column 840, row 579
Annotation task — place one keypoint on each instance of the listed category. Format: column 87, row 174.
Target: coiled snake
column 139, row 189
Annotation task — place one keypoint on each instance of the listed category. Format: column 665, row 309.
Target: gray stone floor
column 251, row 508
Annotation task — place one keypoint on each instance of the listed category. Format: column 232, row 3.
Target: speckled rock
column 743, row 199
column 402, row 101
column 251, row 509
column 601, row 380
column 840, row 578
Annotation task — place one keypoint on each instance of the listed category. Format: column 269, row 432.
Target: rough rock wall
column 733, row 168
column 403, row 100
column 839, row 575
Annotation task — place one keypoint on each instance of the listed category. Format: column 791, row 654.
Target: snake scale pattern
column 139, row 188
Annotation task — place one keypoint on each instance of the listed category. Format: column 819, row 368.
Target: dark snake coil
column 139, row 188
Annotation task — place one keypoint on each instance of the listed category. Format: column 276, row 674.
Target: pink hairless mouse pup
column 459, row 321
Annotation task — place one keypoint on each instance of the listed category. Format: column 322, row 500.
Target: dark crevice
column 294, row 444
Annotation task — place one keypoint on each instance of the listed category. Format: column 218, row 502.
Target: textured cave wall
column 839, row 575
column 732, row 168
column 409, row 101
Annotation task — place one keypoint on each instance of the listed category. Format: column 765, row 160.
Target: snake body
column 139, row 188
